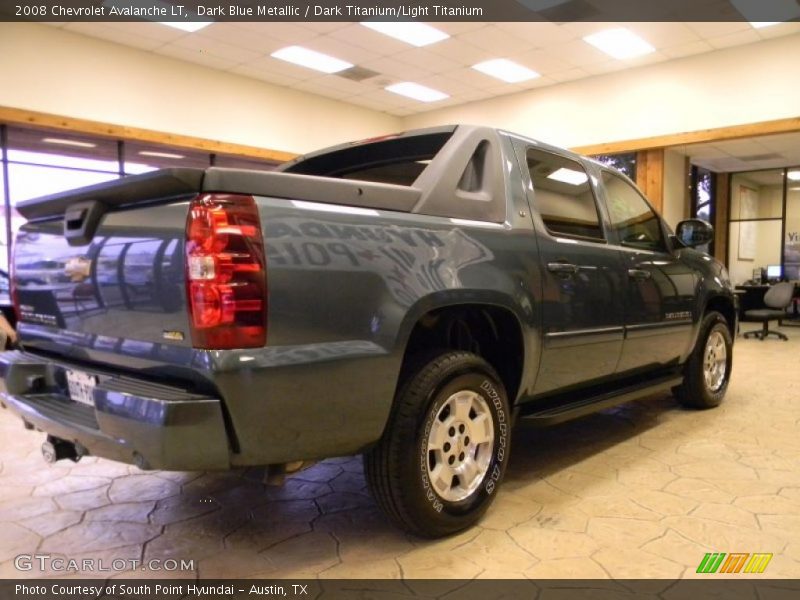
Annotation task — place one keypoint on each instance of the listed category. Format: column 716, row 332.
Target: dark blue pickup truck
column 407, row 297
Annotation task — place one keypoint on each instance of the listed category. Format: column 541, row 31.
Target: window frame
column 601, row 217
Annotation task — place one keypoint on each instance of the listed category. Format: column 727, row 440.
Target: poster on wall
column 748, row 209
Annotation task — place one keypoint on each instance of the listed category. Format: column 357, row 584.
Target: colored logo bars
column 715, row 562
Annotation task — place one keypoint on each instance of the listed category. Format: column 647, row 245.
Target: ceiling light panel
column 416, row 91
column 619, row 43
column 164, row 8
column 416, row 34
column 793, row 175
column 310, row 59
column 506, row 70
column 569, row 176
column 190, row 26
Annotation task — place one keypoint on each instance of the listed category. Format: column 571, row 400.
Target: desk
column 751, row 297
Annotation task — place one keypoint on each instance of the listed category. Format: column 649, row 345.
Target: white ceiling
column 557, row 51
column 750, row 154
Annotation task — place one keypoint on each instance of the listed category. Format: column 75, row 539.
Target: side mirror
column 694, row 232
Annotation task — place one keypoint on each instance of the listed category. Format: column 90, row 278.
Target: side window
column 631, row 217
column 563, row 196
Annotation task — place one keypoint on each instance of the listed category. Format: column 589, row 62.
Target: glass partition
column 757, row 195
column 791, row 249
column 756, row 223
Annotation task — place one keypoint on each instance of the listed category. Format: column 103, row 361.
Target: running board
column 566, row 411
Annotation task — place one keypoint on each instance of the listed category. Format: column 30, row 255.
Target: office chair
column 777, row 298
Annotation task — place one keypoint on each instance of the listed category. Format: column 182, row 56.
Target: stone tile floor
column 642, row 491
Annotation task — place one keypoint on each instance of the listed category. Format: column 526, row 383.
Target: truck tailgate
column 119, row 297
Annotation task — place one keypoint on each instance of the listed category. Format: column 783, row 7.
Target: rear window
column 398, row 160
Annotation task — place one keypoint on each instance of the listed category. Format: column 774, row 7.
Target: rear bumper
column 132, row 421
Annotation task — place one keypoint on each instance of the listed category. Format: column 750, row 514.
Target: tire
column 426, row 473
column 697, row 390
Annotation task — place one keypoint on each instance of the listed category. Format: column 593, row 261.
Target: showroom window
column 624, row 162
column 704, row 194
column 141, row 158
column 41, row 163
column 238, row 162
column 36, row 162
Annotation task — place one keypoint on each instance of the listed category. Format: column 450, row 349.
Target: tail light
column 226, row 277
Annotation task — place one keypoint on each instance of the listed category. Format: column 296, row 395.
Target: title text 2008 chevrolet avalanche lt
column 406, row 298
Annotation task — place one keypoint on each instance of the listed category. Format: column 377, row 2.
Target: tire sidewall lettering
column 489, row 391
column 427, row 488
column 501, row 440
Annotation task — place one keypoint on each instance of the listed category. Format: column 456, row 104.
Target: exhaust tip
column 49, row 453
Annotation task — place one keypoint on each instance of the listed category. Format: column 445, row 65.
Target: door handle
column 562, row 268
column 639, row 274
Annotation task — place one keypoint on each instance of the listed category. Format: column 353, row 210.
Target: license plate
column 81, row 385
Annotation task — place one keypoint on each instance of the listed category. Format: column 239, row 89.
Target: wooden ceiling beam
column 718, row 134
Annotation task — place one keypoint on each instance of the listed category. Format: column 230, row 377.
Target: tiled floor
column 642, row 491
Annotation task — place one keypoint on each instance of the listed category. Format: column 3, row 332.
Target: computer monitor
column 774, row 272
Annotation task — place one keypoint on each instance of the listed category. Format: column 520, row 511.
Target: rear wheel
column 708, row 370
column 442, row 457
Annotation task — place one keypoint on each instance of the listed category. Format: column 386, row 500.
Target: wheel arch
column 725, row 306
column 491, row 330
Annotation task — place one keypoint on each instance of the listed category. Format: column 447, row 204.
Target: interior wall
column 54, row 71
column 689, row 94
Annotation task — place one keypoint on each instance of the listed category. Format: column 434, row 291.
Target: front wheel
column 443, row 454
column 708, row 370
